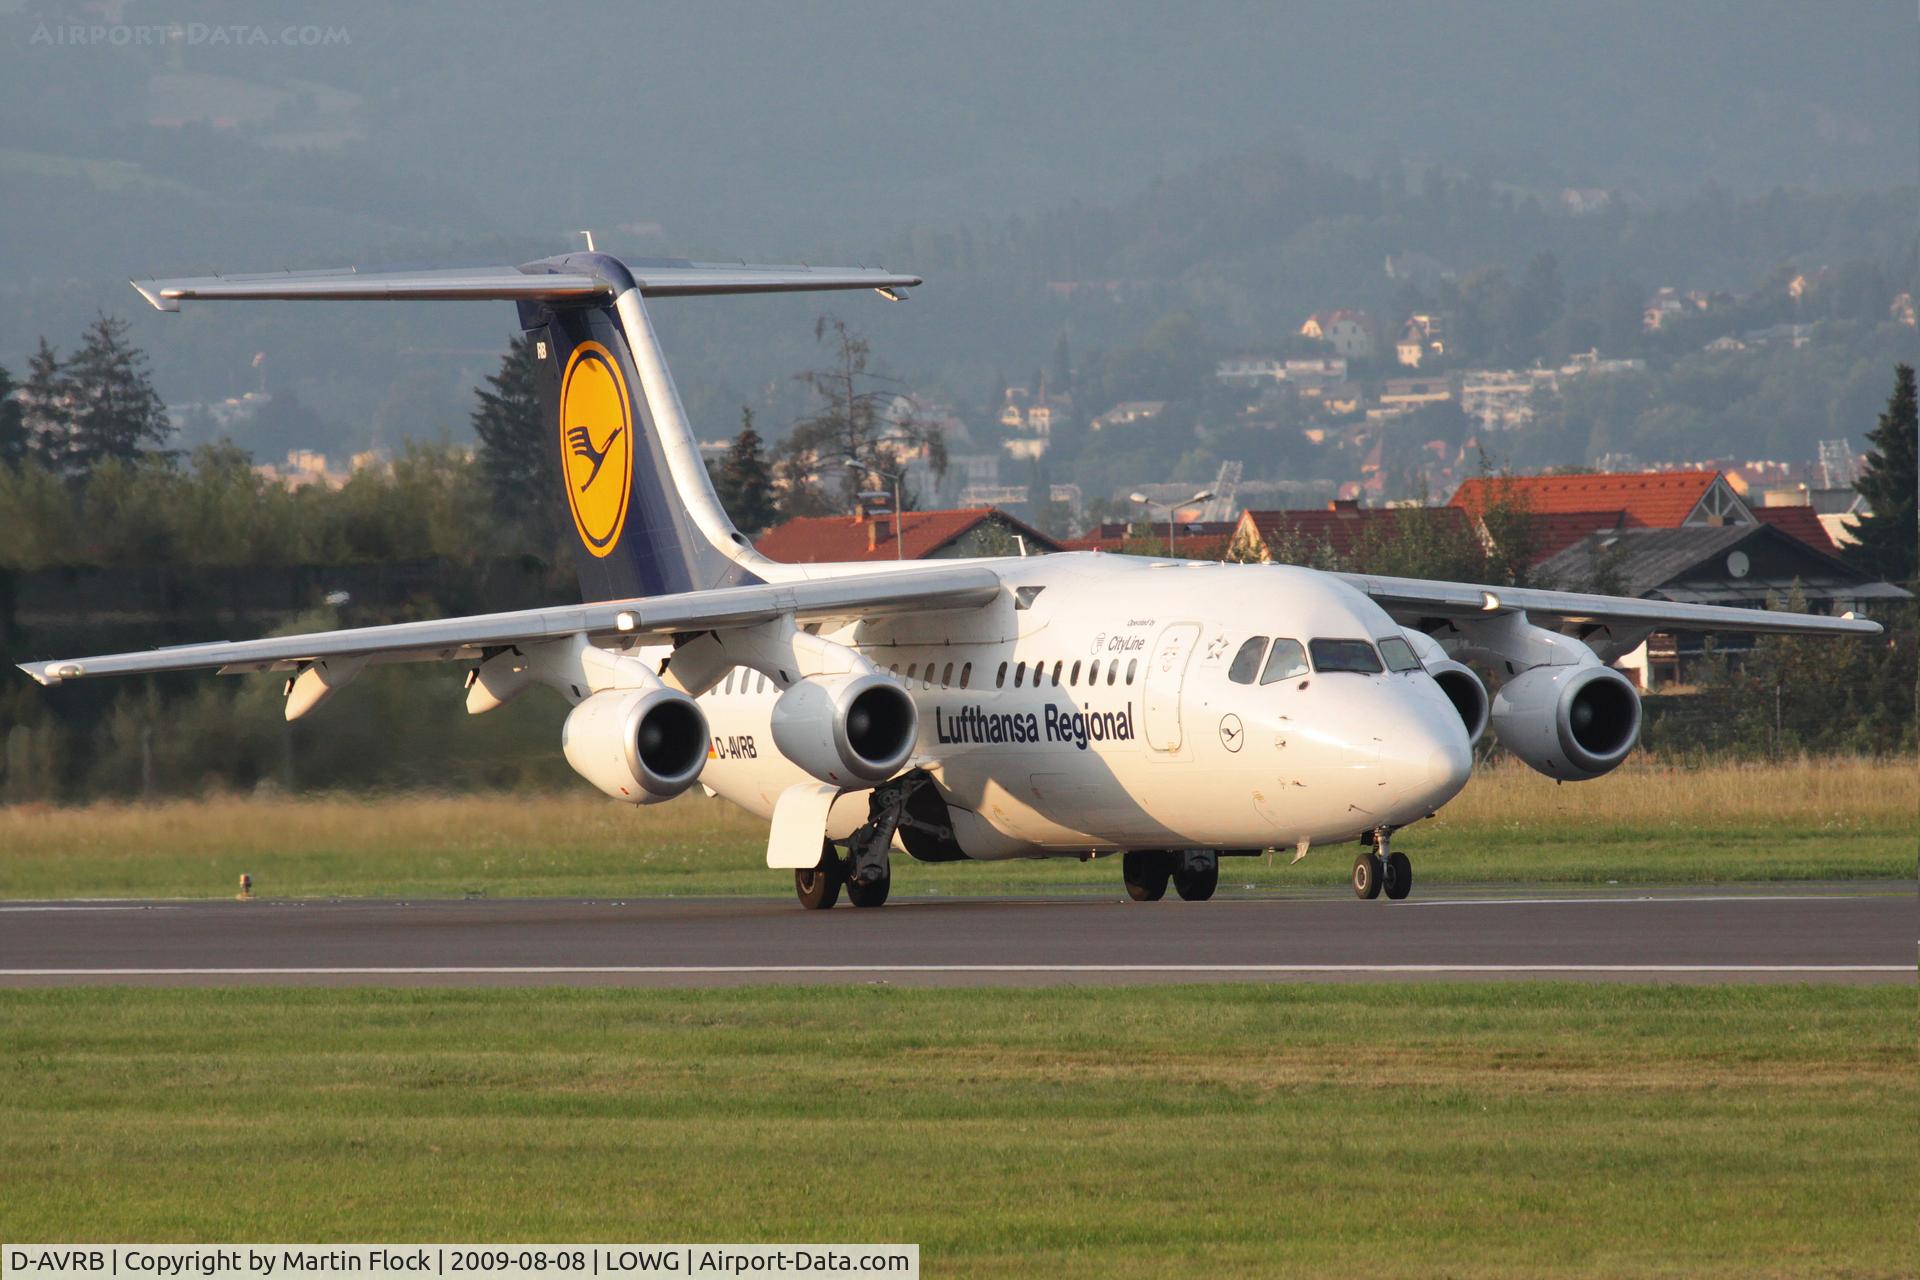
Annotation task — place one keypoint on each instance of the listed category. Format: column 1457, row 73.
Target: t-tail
column 645, row 518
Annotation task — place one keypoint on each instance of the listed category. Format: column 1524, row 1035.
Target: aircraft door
column 1165, row 671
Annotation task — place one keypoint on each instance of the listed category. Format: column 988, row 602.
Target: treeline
column 87, row 476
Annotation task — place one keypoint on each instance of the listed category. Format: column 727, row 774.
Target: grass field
column 1222, row 1130
column 1647, row 824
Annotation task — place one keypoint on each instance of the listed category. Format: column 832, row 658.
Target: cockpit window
column 1247, row 661
column 1398, row 654
column 1344, row 655
column 1288, row 659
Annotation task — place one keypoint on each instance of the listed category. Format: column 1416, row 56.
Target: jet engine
column 1569, row 722
column 846, row 728
column 1464, row 690
column 638, row 745
column 1456, row 679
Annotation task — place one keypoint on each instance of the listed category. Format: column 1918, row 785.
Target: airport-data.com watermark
column 198, row 35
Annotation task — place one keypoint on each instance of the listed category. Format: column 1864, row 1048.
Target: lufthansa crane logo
column 596, row 445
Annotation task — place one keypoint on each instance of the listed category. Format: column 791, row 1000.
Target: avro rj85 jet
column 1075, row 705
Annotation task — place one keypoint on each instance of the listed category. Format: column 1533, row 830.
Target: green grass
column 1520, row 1129
column 1811, row 820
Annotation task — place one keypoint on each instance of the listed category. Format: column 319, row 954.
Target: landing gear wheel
column 1368, row 872
column 818, row 887
column 1146, row 873
column 1399, row 876
column 1196, row 885
column 869, row 893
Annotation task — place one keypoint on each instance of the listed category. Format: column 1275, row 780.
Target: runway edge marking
column 669, row 970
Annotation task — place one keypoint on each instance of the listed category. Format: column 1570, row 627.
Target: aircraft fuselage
column 1097, row 709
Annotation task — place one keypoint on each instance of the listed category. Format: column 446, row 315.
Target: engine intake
column 846, row 728
column 1571, row 723
column 1464, row 690
column 638, row 745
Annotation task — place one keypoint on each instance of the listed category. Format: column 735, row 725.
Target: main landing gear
column 1195, row 873
column 818, row 887
column 866, row 872
column 1381, row 868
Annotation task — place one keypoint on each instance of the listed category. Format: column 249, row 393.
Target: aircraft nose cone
column 1449, row 765
column 1434, row 759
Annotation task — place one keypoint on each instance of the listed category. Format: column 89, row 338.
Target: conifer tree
column 516, row 456
column 46, row 409
column 116, row 415
column 13, row 431
column 744, row 480
column 1890, row 539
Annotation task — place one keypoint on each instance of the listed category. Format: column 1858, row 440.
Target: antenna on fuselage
column 589, row 236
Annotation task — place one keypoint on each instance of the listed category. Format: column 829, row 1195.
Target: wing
column 1625, row 620
column 469, row 638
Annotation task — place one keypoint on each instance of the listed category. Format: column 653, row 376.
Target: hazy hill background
column 1251, row 162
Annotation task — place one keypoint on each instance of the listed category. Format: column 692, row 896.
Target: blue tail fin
column 634, row 530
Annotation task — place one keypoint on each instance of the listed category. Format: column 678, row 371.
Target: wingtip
column 38, row 672
column 150, row 290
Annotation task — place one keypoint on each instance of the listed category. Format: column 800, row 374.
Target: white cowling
column 1464, row 690
column 638, row 745
column 1569, row 722
column 846, row 729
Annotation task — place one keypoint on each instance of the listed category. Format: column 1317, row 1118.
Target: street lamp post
column 1205, row 495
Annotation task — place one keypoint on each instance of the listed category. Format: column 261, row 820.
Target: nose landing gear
column 1381, row 868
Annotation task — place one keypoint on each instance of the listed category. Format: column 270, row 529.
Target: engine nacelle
column 1569, row 722
column 1456, row 679
column 638, row 745
column 848, row 728
column 1464, row 690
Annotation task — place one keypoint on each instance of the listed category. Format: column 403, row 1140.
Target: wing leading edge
column 1411, row 598
column 651, row 618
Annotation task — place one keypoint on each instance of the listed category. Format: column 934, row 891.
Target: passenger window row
column 926, row 678
column 1038, row 675
column 1035, row 675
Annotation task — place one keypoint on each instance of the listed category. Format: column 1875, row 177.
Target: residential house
column 1248, row 370
column 1590, row 362
column 1405, row 395
column 1502, row 399
column 1565, row 508
column 1192, row 539
column 1342, row 527
column 1738, row 565
column 1317, row 376
column 1128, row 412
column 1350, row 333
column 924, row 535
column 1423, row 337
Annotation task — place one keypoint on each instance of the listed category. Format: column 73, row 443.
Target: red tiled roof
column 1555, row 531
column 837, row 539
column 1341, row 530
column 1657, row 499
column 1799, row 522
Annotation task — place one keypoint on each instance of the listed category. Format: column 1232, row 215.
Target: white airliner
column 1056, row 706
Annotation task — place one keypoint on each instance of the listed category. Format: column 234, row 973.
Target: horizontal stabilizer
column 535, row 282
column 379, row 286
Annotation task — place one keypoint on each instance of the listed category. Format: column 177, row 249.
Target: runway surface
column 1771, row 934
